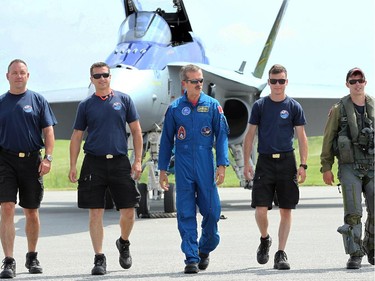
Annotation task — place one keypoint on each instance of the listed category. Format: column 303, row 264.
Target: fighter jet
column 153, row 43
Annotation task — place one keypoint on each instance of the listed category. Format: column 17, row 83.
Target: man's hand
column 220, row 175
column 301, row 175
column 136, row 170
column 163, row 180
column 44, row 167
column 248, row 172
column 328, row 177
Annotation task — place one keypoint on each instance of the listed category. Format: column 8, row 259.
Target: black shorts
column 21, row 175
column 276, row 175
column 99, row 174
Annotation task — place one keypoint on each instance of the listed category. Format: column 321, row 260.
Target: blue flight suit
column 193, row 131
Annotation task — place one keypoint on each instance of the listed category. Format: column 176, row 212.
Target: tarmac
column 315, row 248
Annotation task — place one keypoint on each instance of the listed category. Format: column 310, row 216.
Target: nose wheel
column 170, row 199
column 143, row 211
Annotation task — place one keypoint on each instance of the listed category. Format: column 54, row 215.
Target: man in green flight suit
column 349, row 135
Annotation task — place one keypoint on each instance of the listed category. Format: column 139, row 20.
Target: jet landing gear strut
column 152, row 190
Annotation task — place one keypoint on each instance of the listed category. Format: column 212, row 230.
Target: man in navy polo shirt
column 276, row 117
column 24, row 117
column 106, row 165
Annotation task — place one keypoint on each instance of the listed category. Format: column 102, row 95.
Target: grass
column 57, row 179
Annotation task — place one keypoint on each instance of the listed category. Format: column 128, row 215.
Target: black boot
column 354, row 262
column 32, row 263
column 370, row 257
column 9, row 268
column 204, row 262
column 125, row 258
column 100, row 265
column 263, row 250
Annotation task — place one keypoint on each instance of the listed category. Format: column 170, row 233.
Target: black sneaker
column 204, row 262
column 125, row 258
column 9, row 268
column 281, row 261
column 32, row 263
column 263, row 250
column 191, row 268
column 100, row 265
column 354, row 262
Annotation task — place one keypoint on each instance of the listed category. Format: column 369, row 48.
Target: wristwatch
column 48, row 157
column 303, row 166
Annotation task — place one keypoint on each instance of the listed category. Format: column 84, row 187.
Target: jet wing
column 229, row 82
column 235, row 92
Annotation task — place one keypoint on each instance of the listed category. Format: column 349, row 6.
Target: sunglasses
column 99, row 75
column 195, row 81
column 274, row 81
column 354, row 81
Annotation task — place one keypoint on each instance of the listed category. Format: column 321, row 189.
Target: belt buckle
column 109, row 156
column 21, row 154
column 276, row 156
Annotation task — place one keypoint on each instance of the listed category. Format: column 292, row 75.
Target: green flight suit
column 349, row 136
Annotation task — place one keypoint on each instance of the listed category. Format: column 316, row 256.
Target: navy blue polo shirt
column 276, row 122
column 22, row 119
column 105, row 121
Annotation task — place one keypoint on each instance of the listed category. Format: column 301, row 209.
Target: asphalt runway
column 315, row 249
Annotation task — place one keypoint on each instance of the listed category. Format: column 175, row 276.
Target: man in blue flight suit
column 193, row 124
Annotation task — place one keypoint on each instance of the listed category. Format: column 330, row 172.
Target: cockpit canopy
column 145, row 27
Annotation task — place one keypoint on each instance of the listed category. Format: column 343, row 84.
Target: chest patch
column 181, row 133
column 284, row 114
column 206, row 131
column 116, row 106
column 186, row 110
column 28, row 108
column 203, row 109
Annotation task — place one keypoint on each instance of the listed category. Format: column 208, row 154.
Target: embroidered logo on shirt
column 203, row 109
column 206, row 131
column 116, row 106
column 181, row 133
column 284, row 114
column 186, row 110
column 28, row 108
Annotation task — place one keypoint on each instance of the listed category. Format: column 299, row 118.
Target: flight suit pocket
column 345, row 147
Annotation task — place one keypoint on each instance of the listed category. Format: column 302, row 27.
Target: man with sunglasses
column 349, row 135
column 106, row 164
column 194, row 124
column 276, row 117
column 25, row 116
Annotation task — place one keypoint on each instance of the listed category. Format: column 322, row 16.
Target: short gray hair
column 188, row 68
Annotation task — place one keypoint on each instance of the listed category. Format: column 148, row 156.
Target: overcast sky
column 319, row 41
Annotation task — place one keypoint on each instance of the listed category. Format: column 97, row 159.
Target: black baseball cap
column 354, row 71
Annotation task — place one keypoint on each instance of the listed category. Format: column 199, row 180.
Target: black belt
column 106, row 157
column 279, row 155
column 20, row 154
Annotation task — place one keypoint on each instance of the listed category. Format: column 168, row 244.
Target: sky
column 318, row 42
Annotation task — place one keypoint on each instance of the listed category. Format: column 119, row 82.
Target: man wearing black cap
column 349, row 135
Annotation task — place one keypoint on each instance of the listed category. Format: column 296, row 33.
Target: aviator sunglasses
column 99, row 75
column 195, row 81
column 354, row 81
column 274, row 81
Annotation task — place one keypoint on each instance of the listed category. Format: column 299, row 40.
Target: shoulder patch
column 220, row 109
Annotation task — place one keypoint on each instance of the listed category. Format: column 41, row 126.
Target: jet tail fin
column 262, row 62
